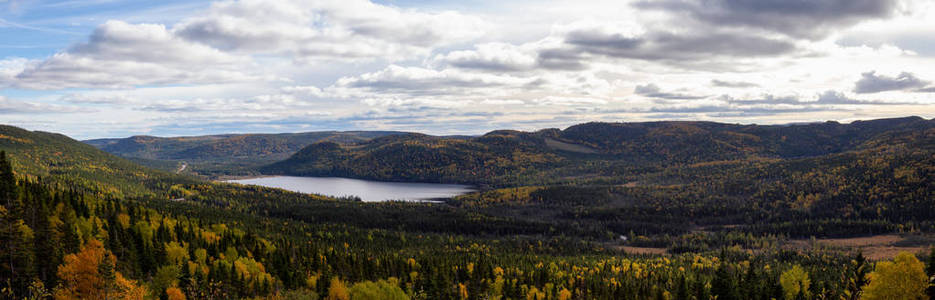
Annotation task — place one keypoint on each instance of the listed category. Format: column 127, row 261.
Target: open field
column 877, row 247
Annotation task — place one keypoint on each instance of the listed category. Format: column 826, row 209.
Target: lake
column 367, row 190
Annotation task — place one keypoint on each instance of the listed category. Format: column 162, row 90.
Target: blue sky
column 111, row 68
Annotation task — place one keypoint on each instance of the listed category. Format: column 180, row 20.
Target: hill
column 58, row 158
column 732, row 217
column 591, row 150
column 219, row 155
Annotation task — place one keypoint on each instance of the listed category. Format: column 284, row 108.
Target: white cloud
column 491, row 56
column 10, row 106
column 416, row 81
column 329, row 29
column 122, row 55
column 355, row 64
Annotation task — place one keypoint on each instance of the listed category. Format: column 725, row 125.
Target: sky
column 116, row 68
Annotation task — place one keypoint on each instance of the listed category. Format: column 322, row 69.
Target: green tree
column 902, row 278
column 723, row 286
column 381, row 290
column 166, row 277
column 855, row 277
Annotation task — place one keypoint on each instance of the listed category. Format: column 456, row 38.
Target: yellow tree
column 564, row 294
column 902, row 278
column 381, row 290
column 794, row 281
column 337, row 290
column 90, row 274
column 175, row 293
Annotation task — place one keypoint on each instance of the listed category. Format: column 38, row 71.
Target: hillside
column 64, row 160
column 720, row 219
column 218, row 155
column 504, row 158
column 417, row 157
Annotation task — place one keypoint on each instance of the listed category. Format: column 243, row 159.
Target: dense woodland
column 78, row 223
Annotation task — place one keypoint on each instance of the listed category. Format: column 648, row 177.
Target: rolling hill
column 503, row 158
column 58, row 158
column 219, row 155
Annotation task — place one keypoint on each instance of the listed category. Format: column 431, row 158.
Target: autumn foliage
column 90, row 274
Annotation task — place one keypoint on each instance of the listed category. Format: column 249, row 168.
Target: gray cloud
column 811, row 19
column 119, row 55
column 735, row 111
column 870, row 82
column 575, row 48
column 765, row 99
column 414, row 82
column 328, row 29
column 826, row 98
column 669, row 46
column 653, row 91
column 733, row 84
column 561, row 59
column 835, row 97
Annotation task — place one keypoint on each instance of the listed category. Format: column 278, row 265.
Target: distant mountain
column 582, row 151
column 707, row 141
column 230, row 154
column 60, row 159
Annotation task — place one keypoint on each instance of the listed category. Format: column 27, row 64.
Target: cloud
column 108, row 99
column 607, row 40
column 835, row 97
column 10, row 106
column 812, row 19
column 764, row 99
column 119, row 55
column 653, row 91
column 328, row 29
column 500, row 57
column 578, row 45
column 829, row 97
column 416, row 81
column 501, row 102
column 257, row 104
column 870, row 82
column 569, row 101
column 733, row 84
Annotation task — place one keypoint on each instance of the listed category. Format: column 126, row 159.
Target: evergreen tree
column 855, row 277
column 16, row 237
column 723, row 286
column 681, row 290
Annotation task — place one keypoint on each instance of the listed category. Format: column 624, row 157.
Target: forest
column 561, row 215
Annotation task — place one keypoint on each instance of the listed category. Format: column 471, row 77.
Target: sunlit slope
column 64, row 160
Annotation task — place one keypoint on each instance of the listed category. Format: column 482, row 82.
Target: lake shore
column 229, row 178
column 366, row 190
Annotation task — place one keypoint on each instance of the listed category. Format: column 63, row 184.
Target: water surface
column 367, row 190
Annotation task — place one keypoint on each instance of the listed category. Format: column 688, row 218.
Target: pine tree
column 681, row 291
column 723, row 285
column 856, row 277
column 16, row 237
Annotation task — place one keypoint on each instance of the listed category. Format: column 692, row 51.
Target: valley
column 597, row 210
